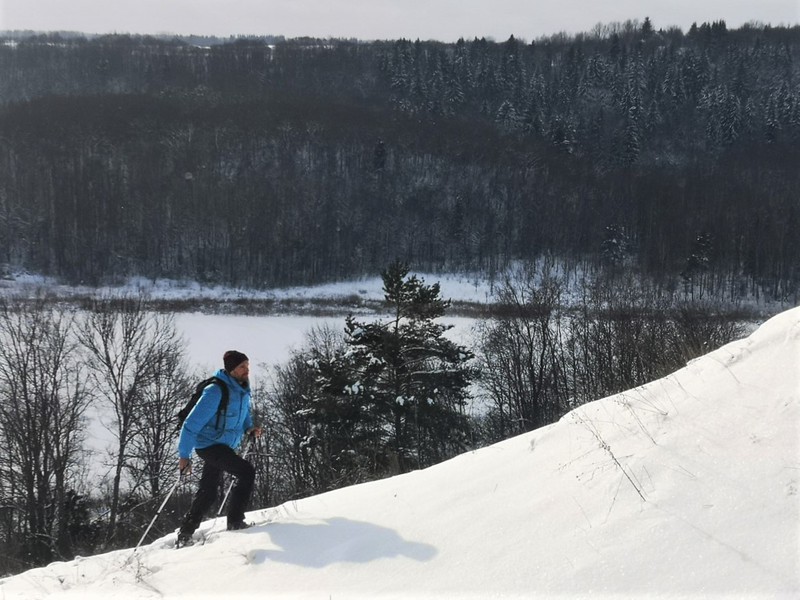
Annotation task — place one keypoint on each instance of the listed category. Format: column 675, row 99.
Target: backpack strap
column 223, row 401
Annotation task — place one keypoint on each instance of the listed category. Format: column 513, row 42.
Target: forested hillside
column 260, row 162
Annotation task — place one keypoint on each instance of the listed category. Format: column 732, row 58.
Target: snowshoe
column 239, row 525
column 184, row 540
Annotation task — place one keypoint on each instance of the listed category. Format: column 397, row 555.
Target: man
column 215, row 439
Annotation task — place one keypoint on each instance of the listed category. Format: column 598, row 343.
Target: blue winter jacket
column 200, row 428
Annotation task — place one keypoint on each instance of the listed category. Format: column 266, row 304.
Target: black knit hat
column 233, row 359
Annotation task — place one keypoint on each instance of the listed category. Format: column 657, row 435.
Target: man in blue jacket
column 215, row 440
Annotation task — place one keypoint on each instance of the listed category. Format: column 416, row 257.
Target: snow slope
column 686, row 487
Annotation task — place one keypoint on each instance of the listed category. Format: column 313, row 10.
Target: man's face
column 241, row 372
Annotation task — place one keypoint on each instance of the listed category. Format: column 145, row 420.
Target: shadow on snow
column 337, row 540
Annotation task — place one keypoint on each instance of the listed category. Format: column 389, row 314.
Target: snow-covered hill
column 686, row 487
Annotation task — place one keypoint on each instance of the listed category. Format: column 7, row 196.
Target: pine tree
column 647, row 29
column 697, row 265
column 399, row 389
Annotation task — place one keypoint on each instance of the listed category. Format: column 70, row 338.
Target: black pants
column 217, row 460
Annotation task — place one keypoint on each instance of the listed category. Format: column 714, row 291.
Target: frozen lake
column 267, row 340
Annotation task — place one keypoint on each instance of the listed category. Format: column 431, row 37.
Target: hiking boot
column 238, row 525
column 184, row 540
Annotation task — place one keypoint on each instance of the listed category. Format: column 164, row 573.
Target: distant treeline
column 263, row 161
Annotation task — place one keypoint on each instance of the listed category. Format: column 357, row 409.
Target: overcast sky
column 444, row 20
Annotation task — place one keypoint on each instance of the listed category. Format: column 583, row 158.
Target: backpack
column 198, row 391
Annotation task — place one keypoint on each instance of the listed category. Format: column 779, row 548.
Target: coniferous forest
column 266, row 161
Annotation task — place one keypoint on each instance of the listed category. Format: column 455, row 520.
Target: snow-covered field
column 688, row 487
column 464, row 287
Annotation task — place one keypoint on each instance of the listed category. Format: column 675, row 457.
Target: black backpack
column 198, row 391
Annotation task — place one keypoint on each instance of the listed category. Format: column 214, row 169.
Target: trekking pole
column 245, row 452
column 160, row 508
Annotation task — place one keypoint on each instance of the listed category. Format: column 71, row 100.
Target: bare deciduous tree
column 152, row 452
column 127, row 349
column 521, row 359
column 42, row 403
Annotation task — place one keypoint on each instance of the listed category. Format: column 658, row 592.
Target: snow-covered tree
column 398, row 391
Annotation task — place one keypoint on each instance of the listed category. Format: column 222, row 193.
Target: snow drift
column 685, row 487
